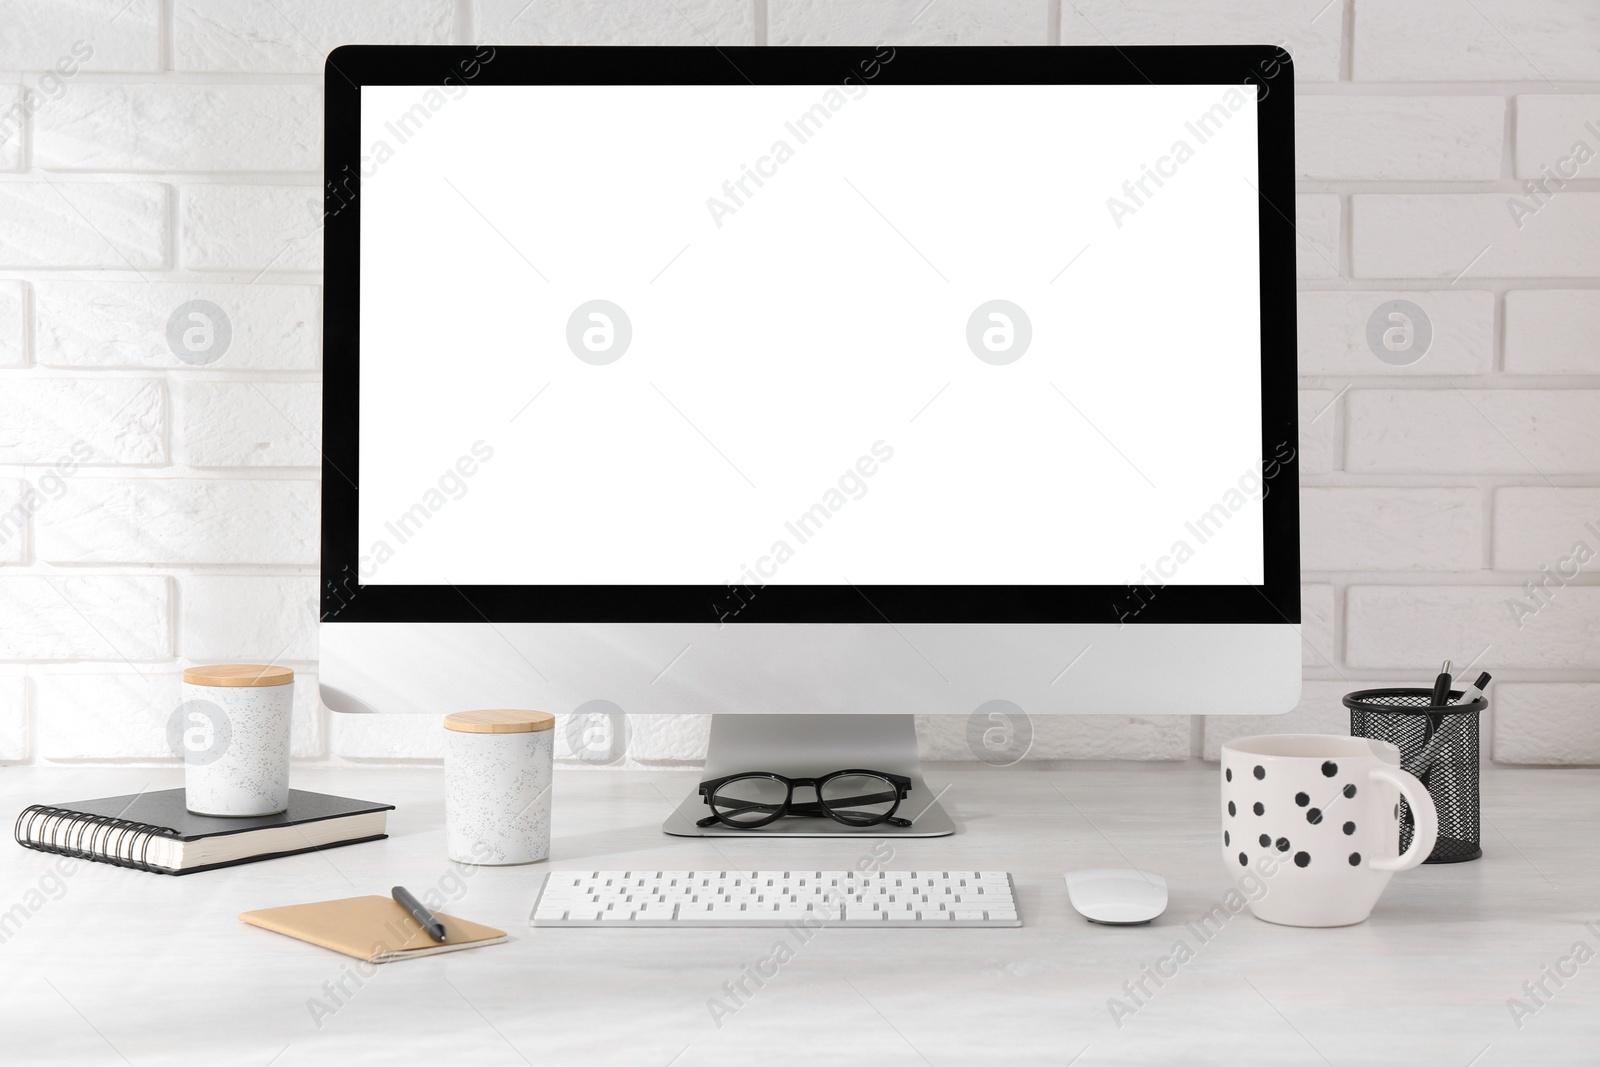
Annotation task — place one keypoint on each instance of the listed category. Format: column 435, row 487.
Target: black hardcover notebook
column 155, row 832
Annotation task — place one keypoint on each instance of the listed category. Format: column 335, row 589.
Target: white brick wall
column 109, row 420
column 1402, row 138
column 1547, row 127
column 1488, row 40
column 1536, row 432
column 254, row 618
column 10, row 131
column 294, row 36
column 13, row 718
column 1311, row 29
column 110, row 225
column 1316, row 221
column 1319, row 421
column 910, row 22
column 1535, row 526
column 1452, row 431
column 156, row 512
column 1411, row 529
column 1474, row 235
column 1392, row 627
column 124, row 324
column 693, row 22
column 217, row 521
column 125, row 35
column 102, row 127
column 85, row 617
column 1550, row 723
column 1333, row 332
column 13, row 527
column 250, row 227
column 13, row 324
column 248, row 424
column 1553, row 331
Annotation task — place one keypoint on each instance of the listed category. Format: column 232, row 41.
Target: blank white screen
column 782, row 337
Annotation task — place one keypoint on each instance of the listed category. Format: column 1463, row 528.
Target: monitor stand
column 809, row 746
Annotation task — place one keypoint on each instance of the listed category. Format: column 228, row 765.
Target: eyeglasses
column 756, row 798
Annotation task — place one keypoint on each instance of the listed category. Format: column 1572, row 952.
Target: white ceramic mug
column 1319, row 815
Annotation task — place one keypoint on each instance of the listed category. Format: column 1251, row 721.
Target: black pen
column 1430, row 751
column 1441, row 687
column 424, row 917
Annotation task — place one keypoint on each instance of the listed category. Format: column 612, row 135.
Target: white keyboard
column 777, row 898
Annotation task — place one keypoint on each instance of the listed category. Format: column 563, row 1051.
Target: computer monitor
column 810, row 388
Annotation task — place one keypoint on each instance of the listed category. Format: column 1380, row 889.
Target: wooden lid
column 238, row 674
column 500, row 721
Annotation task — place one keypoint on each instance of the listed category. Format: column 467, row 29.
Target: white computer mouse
column 1117, row 896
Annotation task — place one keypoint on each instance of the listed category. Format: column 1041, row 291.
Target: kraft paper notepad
column 375, row 929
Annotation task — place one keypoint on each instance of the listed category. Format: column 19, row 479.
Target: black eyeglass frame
column 818, row 808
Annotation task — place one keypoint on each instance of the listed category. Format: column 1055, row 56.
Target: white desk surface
column 126, row 967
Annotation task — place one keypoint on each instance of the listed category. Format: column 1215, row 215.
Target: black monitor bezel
column 345, row 599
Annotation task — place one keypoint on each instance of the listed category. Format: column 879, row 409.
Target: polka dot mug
column 1311, row 825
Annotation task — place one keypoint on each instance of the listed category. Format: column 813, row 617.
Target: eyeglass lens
column 749, row 800
column 859, row 798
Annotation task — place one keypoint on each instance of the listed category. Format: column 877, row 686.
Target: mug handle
column 1426, row 818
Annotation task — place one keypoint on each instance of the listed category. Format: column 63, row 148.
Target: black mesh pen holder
column 1438, row 744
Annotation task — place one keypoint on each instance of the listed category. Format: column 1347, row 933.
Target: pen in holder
column 1439, row 744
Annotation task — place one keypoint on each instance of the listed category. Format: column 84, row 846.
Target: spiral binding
column 101, row 838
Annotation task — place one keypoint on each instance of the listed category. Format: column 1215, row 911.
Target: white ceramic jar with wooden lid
column 497, row 773
column 232, row 731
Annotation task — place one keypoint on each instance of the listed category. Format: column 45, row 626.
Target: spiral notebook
column 155, row 832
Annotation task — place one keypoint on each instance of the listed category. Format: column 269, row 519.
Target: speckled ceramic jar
column 497, row 768
column 233, row 734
